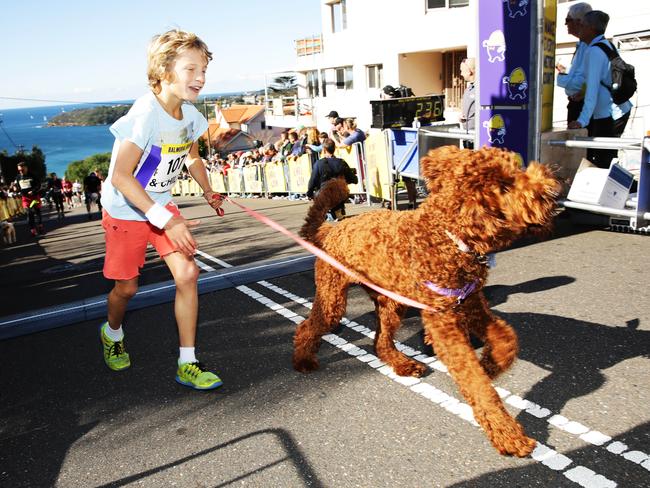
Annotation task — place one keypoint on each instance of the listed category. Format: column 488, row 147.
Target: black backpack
column 623, row 81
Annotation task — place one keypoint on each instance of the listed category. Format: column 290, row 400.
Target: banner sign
column 299, row 174
column 217, row 182
column 504, row 72
column 252, row 179
column 548, row 65
column 378, row 178
column 275, row 182
column 350, row 154
column 234, row 181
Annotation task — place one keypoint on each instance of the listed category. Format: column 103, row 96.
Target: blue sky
column 96, row 51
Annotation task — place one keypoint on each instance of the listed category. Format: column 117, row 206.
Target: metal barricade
column 636, row 216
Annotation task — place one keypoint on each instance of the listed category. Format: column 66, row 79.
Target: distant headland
column 103, row 115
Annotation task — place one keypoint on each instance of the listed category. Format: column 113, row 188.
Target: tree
column 203, row 148
column 284, row 86
column 78, row 170
column 35, row 162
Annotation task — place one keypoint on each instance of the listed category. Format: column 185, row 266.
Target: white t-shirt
column 165, row 143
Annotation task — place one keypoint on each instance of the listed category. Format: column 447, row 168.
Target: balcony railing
column 309, row 45
column 289, row 111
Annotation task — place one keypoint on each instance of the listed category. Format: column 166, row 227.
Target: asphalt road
column 580, row 387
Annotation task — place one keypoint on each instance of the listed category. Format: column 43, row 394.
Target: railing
column 290, row 109
column 309, row 45
column 10, row 207
column 276, row 177
column 636, row 218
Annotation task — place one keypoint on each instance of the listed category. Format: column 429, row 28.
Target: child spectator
column 152, row 143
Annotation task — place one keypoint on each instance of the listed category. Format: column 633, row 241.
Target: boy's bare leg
column 186, row 305
column 118, row 299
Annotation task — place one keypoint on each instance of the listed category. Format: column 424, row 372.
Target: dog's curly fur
column 484, row 199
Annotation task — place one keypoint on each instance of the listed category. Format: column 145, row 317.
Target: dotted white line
column 546, row 456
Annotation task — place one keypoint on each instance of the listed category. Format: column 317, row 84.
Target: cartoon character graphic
column 517, row 84
column 495, row 45
column 516, row 7
column 496, row 129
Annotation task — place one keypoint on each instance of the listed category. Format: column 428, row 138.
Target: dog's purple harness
column 459, row 293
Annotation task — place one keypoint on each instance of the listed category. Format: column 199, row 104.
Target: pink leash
column 319, row 253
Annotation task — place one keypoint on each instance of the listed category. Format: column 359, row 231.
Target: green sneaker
column 115, row 356
column 196, row 376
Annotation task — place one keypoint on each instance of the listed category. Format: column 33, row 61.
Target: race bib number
column 25, row 184
column 161, row 168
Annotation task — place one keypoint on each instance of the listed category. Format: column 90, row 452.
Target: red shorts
column 126, row 244
column 31, row 202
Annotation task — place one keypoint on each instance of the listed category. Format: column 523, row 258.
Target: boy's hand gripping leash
column 219, row 196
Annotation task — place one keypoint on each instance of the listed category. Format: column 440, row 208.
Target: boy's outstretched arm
column 128, row 157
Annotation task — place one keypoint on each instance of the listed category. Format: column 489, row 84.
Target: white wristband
column 158, row 215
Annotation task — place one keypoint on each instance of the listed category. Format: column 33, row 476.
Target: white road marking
column 542, row 453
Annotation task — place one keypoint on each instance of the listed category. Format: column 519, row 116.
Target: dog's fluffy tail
column 331, row 194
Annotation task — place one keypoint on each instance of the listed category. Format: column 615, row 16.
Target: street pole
column 205, row 110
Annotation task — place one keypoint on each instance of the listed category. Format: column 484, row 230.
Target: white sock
column 186, row 355
column 114, row 334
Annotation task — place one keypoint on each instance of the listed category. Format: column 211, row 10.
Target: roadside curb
column 150, row 295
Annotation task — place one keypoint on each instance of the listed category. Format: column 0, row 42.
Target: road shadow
column 292, row 452
column 58, row 391
column 614, row 467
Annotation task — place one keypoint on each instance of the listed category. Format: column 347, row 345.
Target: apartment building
column 367, row 44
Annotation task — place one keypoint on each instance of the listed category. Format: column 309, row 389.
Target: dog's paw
column 305, row 365
column 410, row 368
column 520, row 446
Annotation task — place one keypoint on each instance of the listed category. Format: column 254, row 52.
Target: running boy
column 152, row 143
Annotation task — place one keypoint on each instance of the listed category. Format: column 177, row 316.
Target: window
column 344, row 78
column 323, row 82
column 339, row 15
column 312, row 84
column 375, row 75
column 446, row 3
column 453, row 84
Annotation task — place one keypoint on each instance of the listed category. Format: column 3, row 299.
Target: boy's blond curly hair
column 164, row 48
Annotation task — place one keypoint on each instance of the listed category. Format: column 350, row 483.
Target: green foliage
column 206, row 108
column 78, row 170
column 102, row 115
column 35, row 162
column 284, row 86
column 203, row 148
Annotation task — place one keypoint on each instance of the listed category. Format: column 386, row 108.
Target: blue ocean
column 27, row 127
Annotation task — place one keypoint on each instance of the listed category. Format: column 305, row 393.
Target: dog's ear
column 539, row 179
column 436, row 164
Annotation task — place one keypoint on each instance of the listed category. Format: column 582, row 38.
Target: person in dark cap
column 333, row 116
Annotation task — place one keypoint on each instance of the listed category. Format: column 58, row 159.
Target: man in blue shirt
column 596, row 114
column 573, row 80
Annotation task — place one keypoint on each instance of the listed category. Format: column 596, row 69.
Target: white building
column 367, row 44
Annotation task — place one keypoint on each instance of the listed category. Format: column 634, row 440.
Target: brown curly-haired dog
column 479, row 201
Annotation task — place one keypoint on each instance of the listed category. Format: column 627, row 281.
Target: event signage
column 505, row 37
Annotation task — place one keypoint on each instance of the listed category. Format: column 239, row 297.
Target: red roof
column 241, row 113
column 220, row 137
